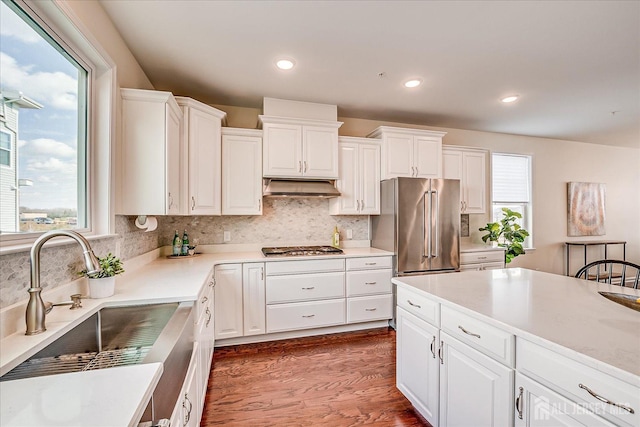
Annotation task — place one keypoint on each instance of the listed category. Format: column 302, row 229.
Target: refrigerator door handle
column 426, row 224
column 436, row 234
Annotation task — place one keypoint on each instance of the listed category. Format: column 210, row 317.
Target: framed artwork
column 585, row 209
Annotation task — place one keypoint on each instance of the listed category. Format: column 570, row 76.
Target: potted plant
column 507, row 233
column 102, row 284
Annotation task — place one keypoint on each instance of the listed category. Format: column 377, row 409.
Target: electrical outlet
column 226, row 236
column 349, row 233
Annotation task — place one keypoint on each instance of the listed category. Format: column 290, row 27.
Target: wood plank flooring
column 333, row 380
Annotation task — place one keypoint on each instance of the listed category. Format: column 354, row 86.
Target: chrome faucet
column 36, row 308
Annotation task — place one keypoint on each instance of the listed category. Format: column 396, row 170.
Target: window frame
column 59, row 21
column 11, row 149
column 527, row 220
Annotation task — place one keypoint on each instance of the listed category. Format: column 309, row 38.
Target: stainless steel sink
column 119, row 336
column 630, row 301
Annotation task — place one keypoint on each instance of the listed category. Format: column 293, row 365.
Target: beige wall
column 555, row 162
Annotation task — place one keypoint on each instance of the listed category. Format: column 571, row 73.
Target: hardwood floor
column 333, row 380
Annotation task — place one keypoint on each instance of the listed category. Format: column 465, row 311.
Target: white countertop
column 162, row 280
column 565, row 314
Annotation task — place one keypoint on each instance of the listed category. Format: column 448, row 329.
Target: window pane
column 44, row 100
column 510, row 178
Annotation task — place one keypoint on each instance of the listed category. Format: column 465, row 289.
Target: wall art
column 585, row 209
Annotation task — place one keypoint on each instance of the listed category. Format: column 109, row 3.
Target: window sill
column 25, row 247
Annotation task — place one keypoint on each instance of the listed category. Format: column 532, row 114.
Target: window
column 5, row 149
column 511, row 188
column 45, row 92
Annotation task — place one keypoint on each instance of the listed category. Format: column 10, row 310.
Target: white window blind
column 511, row 178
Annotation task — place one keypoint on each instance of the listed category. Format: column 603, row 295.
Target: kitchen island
column 547, row 331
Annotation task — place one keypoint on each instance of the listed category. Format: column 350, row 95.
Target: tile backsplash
column 284, row 221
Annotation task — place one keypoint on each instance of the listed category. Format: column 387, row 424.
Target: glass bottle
column 185, row 244
column 177, row 244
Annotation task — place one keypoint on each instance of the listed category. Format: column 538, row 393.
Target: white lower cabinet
column 188, row 411
column 475, row 390
column 482, row 260
column 253, row 297
column 538, row 406
column 417, row 369
column 228, row 301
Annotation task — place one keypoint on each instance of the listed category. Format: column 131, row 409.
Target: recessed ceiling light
column 511, row 98
column 285, row 64
column 413, row 83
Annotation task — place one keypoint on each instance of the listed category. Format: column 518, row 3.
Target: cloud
column 11, row 25
column 45, row 147
column 54, row 89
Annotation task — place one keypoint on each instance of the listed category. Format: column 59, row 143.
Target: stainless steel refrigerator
column 419, row 222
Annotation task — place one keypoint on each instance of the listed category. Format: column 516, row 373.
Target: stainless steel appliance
column 300, row 251
column 419, row 222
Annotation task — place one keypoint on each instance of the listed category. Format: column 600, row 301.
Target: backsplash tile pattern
column 283, row 221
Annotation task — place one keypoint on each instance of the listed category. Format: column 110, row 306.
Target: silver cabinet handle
column 208, row 317
column 520, row 402
column 259, row 204
column 467, row 332
column 204, row 299
column 308, row 316
column 370, row 283
column 309, row 288
column 605, row 400
column 433, row 347
column 299, row 166
column 305, row 166
column 413, row 305
column 441, row 352
column 187, row 416
column 358, row 205
column 370, row 309
column 482, row 257
column 261, row 273
column 361, row 204
column 170, row 201
column 370, row 263
column 193, row 203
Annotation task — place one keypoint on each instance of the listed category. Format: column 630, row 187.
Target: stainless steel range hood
column 296, row 188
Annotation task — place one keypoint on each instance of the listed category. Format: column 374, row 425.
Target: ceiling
column 574, row 64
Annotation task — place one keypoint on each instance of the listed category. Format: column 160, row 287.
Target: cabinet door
column 349, row 182
column 369, row 173
column 417, row 366
column 320, row 152
column 537, row 406
column 241, row 175
column 228, row 301
column 475, row 390
column 174, row 151
column 473, row 186
column 398, row 160
column 204, row 162
column 451, row 164
column 282, row 150
column 254, row 298
column 427, row 157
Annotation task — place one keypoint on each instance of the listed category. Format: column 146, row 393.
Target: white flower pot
column 102, row 288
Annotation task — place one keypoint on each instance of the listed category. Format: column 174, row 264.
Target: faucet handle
column 76, row 301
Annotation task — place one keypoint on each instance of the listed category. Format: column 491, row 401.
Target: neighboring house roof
column 17, row 98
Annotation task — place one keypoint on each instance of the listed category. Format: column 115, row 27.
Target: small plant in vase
column 507, row 233
column 102, row 284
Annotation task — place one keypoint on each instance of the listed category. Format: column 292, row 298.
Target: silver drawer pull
column 520, row 402
column 412, row 304
column 370, row 283
column 482, row 257
column 308, row 316
column 370, row 309
column 309, row 288
column 204, row 299
column 370, row 263
column 607, row 401
column 467, row 332
column 433, row 347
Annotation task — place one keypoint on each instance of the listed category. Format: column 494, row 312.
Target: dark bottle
column 185, row 244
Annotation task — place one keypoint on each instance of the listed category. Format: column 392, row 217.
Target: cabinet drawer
column 364, row 309
column 304, row 287
column 486, row 338
column 481, row 257
column 306, row 266
column 419, row 305
column 481, row 266
column 368, row 282
column 368, row 263
column 305, row 315
column 564, row 376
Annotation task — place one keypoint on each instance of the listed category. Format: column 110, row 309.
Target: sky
column 47, row 138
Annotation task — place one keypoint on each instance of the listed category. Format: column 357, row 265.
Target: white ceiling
column 573, row 63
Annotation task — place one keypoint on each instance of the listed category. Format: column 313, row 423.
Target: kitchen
column 305, row 221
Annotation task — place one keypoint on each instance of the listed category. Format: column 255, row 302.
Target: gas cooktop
column 300, row 251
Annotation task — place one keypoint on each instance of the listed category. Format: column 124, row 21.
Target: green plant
column 507, row 233
column 109, row 266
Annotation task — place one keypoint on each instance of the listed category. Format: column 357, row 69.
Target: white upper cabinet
column 150, row 154
column 359, row 181
column 410, row 152
column 201, row 130
column 241, row 172
column 469, row 166
column 295, row 148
